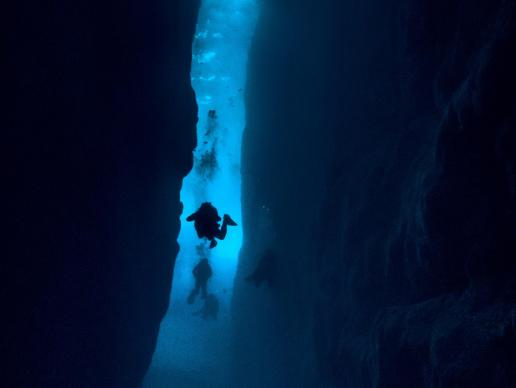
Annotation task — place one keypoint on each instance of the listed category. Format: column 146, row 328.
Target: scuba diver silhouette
column 206, row 221
column 265, row 271
column 202, row 273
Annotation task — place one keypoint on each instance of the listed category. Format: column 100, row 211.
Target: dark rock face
column 98, row 128
column 379, row 165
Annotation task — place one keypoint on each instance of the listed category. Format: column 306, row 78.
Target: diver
column 210, row 309
column 202, row 273
column 206, row 221
column 264, row 271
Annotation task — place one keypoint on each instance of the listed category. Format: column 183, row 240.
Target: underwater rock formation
column 98, row 129
column 379, row 165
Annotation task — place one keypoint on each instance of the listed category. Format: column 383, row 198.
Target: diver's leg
column 193, row 294
column 191, row 298
column 221, row 233
column 204, row 290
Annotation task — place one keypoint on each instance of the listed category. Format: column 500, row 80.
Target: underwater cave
column 361, row 157
column 193, row 347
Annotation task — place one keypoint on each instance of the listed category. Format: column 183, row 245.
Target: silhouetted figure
column 206, row 222
column 210, row 309
column 265, row 270
column 202, row 273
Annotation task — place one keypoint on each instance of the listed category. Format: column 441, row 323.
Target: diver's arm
column 192, row 217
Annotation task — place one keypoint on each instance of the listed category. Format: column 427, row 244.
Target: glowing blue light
column 218, row 74
column 219, row 60
column 204, row 57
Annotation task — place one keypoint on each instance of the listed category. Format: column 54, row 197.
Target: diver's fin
column 229, row 221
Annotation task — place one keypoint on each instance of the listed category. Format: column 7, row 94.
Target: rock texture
column 379, row 164
column 98, row 126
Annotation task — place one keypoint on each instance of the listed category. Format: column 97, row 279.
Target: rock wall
column 379, row 165
column 98, row 128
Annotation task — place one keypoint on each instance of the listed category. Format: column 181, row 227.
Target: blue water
column 192, row 352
